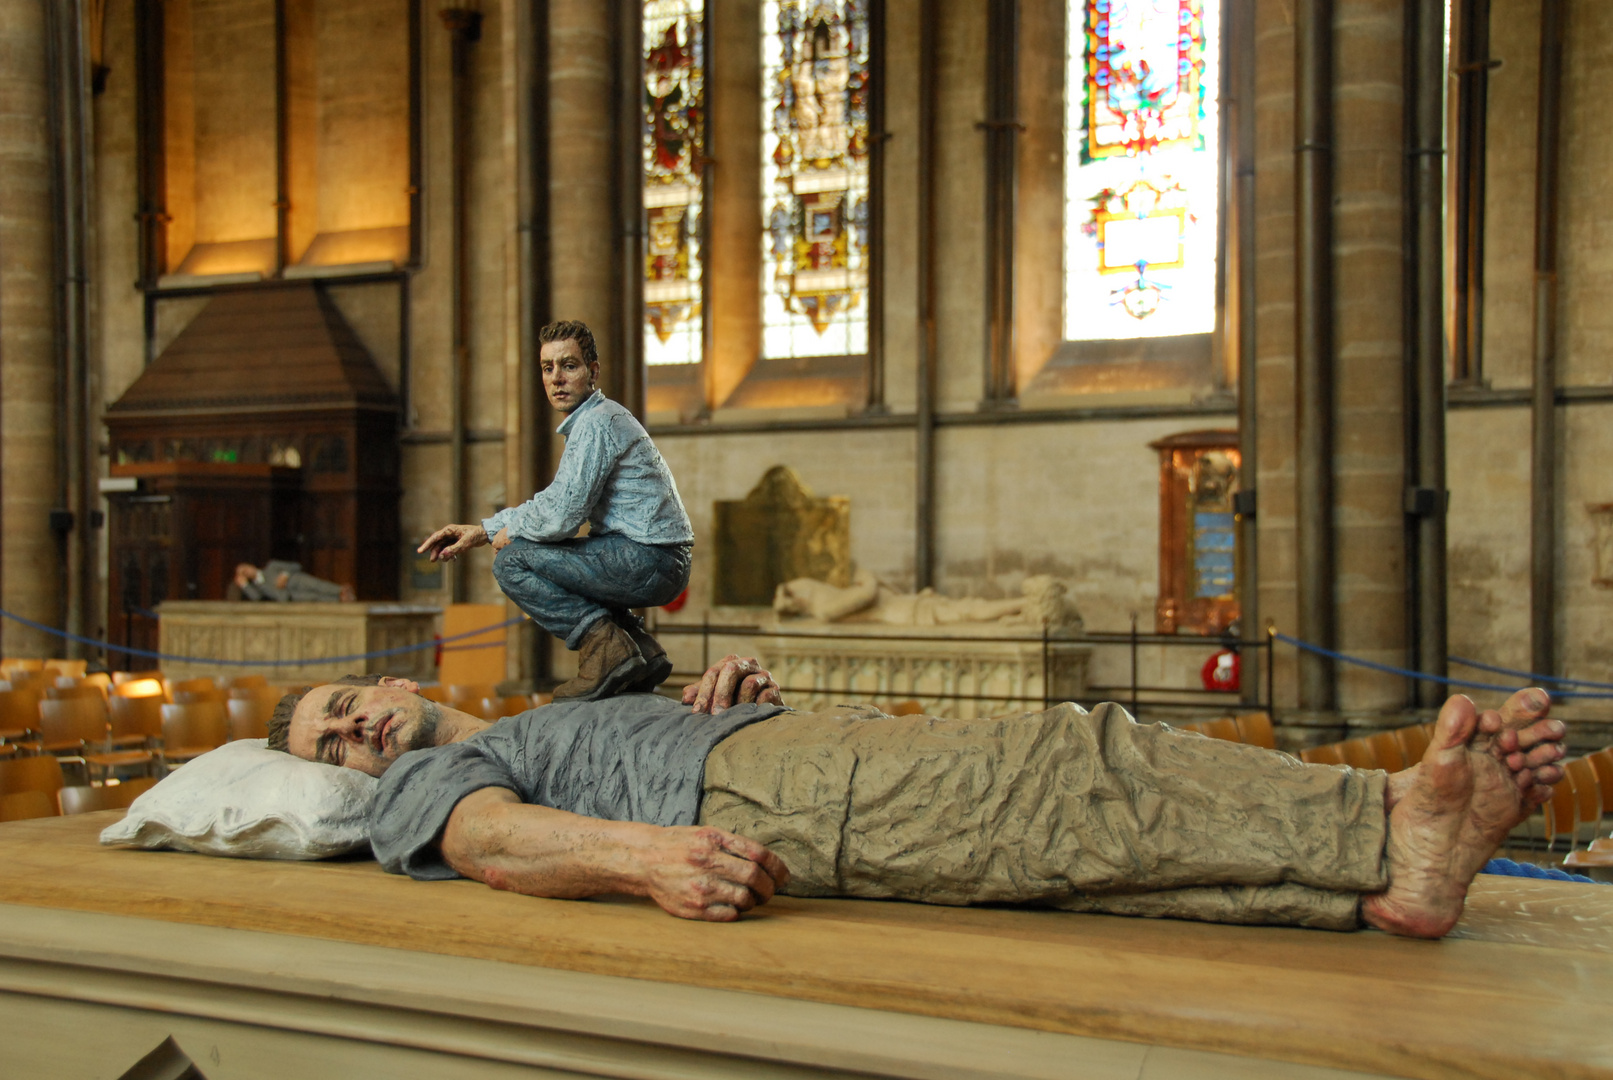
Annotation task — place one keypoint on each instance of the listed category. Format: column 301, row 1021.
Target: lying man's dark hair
column 280, row 721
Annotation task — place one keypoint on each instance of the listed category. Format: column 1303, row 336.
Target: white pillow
column 246, row 800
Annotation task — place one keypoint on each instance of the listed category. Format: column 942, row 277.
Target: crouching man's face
column 362, row 727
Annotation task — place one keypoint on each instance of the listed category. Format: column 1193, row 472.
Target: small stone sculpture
column 1044, row 603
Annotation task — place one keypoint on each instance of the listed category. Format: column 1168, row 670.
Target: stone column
column 31, row 581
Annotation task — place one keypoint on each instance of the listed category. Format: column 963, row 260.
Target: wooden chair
column 119, row 678
column 245, row 682
column 136, row 721
column 1255, row 729
column 72, row 725
column 191, row 729
column 1413, row 742
column 1328, row 754
column 438, row 693
column 1601, row 844
column 19, row 663
column 41, row 773
column 1224, row 728
column 911, row 707
column 56, row 668
column 200, row 689
column 138, row 688
column 1386, row 751
column 79, row 799
column 1587, row 794
column 19, row 714
column 67, row 687
column 1602, row 765
column 249, row 717
column 1358, row 754
column 1560, row 815
column 27, row 804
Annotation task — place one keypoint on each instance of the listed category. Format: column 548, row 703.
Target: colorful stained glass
column 815, row 87
column 1141, row 187
column 674, row 144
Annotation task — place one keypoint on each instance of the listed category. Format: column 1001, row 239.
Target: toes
column 1541, row 731
column 1457, row 723
column 1525, row 707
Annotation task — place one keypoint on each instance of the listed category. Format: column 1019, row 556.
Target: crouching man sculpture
column 712, row 806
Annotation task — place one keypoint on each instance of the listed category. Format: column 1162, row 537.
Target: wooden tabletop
column 1522, row 989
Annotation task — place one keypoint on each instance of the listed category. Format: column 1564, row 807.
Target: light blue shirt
column 610, row 475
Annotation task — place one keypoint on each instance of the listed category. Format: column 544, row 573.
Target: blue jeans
column 570, row 585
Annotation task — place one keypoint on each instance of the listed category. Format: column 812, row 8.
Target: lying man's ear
column 400, row 684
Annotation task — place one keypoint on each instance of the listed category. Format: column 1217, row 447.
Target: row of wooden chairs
column 1253, row 729
column 1392, row 750
column 1580, row 804
column 46, row 800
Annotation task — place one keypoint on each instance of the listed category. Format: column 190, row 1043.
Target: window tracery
column 1141, row 184
column 674, row 193
column 815, row 173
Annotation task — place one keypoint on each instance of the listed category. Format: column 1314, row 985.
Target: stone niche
column 780, row 531
column 271, row 380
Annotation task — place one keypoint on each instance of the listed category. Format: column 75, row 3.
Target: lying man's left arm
column 695, row 872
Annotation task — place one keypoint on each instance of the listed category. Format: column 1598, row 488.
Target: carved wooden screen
column 1199, row 560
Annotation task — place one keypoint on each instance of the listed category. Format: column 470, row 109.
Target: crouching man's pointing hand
column 694, row 872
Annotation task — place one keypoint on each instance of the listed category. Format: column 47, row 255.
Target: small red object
column 677, row 602
column 1220, row 671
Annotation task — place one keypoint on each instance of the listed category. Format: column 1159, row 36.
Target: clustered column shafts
column 1240, row 52
column 464, row 28
column 1543, row 402
column 632, row 378
column 877, row 135
column 1471, row 67
column 924, row 427
column 1313, row 349
column 1002, row 146
column 1425, row 449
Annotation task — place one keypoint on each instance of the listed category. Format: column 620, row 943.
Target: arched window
column 815, row 173
column 674, row 189
column 1142, row 158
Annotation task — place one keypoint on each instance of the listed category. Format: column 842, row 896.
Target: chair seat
column 119, row 758
column 1604, row 844
column 1589, row 859
column 185, row 753
column 14, row 734
column 64, row 746
column 124, row 742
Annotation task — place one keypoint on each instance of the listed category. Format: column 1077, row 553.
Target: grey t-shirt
column 635, row 757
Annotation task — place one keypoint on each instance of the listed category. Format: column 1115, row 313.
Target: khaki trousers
column 1063, row 808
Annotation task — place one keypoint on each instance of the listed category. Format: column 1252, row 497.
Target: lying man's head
column 364, row 722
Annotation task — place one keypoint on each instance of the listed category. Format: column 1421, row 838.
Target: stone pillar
column 31, row 582
column 1369, row 466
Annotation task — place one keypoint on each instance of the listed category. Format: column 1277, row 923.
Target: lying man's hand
column 693, row 872
column 705, row 873
column 733, row 680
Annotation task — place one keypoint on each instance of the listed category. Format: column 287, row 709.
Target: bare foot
column 1445, row 827
column 1519, row 734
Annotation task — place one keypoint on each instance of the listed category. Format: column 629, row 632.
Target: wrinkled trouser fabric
column 1062, row 808
column 569, row 585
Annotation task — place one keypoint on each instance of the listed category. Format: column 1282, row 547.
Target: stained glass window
column 674, row 140
column 815, row 178
column 1141, row 197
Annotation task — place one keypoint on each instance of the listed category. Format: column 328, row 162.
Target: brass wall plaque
column 778, row 532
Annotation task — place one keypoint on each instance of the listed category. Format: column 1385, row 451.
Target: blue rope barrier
column 1530, row 675
column 1403, row 672
column 397, row 651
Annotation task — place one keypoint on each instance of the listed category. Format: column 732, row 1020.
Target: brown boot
column 659, row 667
column 607, row 663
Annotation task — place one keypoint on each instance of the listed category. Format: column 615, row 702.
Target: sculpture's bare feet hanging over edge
column 1464, row 801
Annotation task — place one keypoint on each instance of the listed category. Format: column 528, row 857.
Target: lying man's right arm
column 696, row 872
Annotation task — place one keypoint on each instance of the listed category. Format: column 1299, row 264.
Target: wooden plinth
column 248, row 630
column 807, row 987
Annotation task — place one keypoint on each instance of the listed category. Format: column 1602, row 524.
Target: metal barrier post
column 1271, row 662
column 1047, row 683
column 1134, row 665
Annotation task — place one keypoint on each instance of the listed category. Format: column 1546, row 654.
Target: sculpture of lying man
column 712, row 806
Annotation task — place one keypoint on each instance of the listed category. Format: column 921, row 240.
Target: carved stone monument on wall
column 780, row 531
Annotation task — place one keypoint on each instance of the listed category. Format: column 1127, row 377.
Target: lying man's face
column 362, row 727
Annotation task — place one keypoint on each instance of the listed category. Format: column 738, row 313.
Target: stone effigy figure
column 582, row 589
column 712, row 806
column 1044, row 603
column 285, row 582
